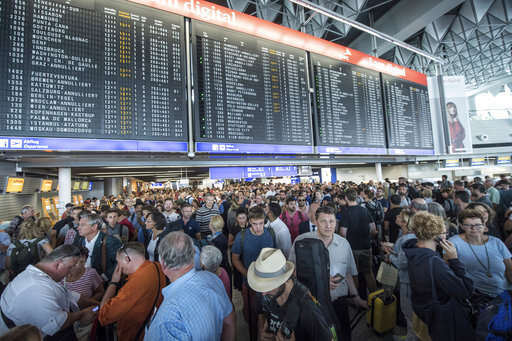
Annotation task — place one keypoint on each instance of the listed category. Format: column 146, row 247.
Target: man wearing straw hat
column 290, row 312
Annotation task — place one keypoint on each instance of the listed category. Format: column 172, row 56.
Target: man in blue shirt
column 246, row 249
column 195, row 306
column 190, row 226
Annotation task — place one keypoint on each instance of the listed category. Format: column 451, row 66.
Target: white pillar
column 378, row 170
column 113, row 186
column 64, row 188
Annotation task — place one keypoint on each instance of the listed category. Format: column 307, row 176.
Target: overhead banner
column 456, row 115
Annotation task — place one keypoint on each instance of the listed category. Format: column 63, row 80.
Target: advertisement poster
column 456, row 115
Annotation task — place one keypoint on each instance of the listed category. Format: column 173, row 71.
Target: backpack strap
column 104, row 254
column 291, row 317
column 273, row 234
column 242, row 238
column 153, row 307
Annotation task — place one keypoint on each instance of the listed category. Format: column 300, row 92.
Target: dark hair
column 256, row 212
column 479, row 187
column 395, row 199
column 241, row 210
column 275, row 209
column 159, row 220
column 463, row 196
column 114, row 210
column 290, row 199
column 369, row 193
column 104, row 208
column 351, row 195
column 458, row 183
column 324, row 210
column 125, row 213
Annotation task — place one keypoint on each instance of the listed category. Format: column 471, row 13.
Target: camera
column 191, row 155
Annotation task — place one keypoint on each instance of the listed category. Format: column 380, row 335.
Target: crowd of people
column 164, row 265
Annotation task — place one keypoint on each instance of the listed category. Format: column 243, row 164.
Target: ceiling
column 474, row 37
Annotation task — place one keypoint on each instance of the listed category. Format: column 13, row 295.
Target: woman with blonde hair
column 34, row 236
column 436, row 286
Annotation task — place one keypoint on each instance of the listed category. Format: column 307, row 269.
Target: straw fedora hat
column 269, row 271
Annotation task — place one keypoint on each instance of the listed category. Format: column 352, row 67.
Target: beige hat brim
column 261, row 284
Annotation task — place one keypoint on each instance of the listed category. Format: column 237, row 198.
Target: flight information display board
column 348, row 108
column 76, row 70
column 408, row 121
column 251, row 94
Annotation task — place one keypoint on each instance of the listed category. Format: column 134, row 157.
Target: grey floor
column 360, row 332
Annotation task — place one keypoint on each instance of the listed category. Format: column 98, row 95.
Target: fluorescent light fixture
column 338, row 17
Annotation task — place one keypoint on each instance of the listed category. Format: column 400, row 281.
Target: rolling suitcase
column 381, row 315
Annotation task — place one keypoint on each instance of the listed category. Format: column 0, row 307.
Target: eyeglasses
column 473, row 226
column 123, row 248
column 301, row 200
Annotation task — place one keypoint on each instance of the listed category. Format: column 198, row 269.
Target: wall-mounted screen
column 251, row 94
column 348, row 108
column 75, row 71
column 408, row 121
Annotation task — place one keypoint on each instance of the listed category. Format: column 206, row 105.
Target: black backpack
column 24, row 254
column 376, row 210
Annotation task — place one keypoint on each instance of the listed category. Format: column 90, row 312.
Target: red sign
column 230, row 19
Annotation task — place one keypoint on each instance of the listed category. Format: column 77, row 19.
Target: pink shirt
column 225, row 280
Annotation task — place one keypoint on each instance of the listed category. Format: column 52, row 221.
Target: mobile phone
column 337, row 278
column 95, row 309
column 438, row 240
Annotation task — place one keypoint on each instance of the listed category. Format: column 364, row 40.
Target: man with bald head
column 418, row 204
column 309, row 225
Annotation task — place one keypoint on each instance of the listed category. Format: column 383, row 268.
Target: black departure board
column 91, row 69
column 249, row 90
column 408, row 121
column 349, row 109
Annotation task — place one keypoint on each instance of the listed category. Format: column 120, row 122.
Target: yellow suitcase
column 381, row 315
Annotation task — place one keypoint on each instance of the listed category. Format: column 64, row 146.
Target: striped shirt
column 203, row 217
column 86, row 285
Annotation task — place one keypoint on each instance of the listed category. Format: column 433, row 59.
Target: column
column 64, row 188
column 378, row 170
column 113, row 186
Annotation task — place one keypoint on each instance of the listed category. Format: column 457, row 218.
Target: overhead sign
column 251, row 172
column 503, row 160
column 453, row 163
column 477, row 161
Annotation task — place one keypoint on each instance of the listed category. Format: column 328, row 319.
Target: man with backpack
column 292, row 217
column 27, row 212
column 247, row 246
column 289, row 309
column 342, row 265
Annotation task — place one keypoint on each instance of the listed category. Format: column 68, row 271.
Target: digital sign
column 91, row 69
column 477, row 161
column 348, row 108
column 407, row 116
column 452, row 163
column 76, row 185
column 249, row 92
column 14, row 185
column 503, row 160
column 46, row 186
column 251, row 172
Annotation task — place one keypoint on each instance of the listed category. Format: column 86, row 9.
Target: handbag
column 436, row 314
column 387, row 274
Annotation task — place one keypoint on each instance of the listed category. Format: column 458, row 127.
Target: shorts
column 363, row 260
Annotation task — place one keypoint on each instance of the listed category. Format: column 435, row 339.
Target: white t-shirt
column 151, row 248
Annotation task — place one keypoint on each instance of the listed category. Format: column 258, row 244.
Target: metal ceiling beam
column 397, row 22
column 347, row 21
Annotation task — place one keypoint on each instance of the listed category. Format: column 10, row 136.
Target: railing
column 490, row 114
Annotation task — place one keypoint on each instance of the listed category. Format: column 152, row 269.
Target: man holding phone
column 343, row 266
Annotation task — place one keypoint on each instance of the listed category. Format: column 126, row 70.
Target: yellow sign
column 15, row 185
column 46, row 185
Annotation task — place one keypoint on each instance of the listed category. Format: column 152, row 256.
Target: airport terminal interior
column 389, row 116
